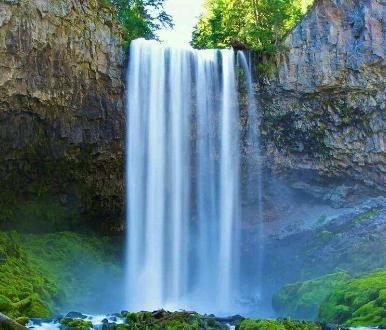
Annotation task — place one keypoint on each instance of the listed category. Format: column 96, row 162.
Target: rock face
column 323, row 100
column 62, row 115
column 61, row 106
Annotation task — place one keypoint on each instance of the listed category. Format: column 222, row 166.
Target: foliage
column 141, row 18
column 260, row 24
column 359, row 302
column 280, row 324
column 301, row 300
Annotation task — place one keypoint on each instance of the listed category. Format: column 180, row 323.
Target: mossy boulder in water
column 359, row 302
column 170, row 321
column 75, row 324
column 301, row 300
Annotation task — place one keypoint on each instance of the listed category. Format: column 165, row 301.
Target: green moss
column 302, row 299
column 76, row 263
column 171, row 321
column 70, row 193
column 23, row 320
column 368, row 215
column 21, row 282
column 325, row 234
column 359, row 302
column 36, row 307
column 75, row 324
column 263, row 68
column 280, row 324
column 5, row 304
column 40, row 274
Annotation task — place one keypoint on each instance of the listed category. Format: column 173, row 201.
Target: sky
column 185, row 14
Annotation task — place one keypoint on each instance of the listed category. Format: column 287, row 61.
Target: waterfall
column 253, row 180
column 184, row 213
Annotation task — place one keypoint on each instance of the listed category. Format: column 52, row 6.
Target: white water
column 183, row 179
column 253, row 180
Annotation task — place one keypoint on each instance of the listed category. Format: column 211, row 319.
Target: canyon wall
column 62, row 107
column 61, row 111
column 323, row 98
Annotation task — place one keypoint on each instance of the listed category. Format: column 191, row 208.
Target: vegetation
column 359, row 302
column 41, row 273
column 280, row 324
column 140, row 18
column 25, row 291
column 259, row 24
column 301, row 300
column 75, row 324
column 171, row 321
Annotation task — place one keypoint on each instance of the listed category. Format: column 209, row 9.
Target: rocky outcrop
column 61, row 107
column 323, row 100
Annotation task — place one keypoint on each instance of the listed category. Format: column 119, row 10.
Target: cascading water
column 183, row 179
column 253, row 184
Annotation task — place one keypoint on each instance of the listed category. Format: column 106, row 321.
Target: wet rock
column 75, row 315
column 323, row 101
column 61, row 102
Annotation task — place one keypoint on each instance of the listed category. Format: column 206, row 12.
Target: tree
column 142, row 18
column 258, row 23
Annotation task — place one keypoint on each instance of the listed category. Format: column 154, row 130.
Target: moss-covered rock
column 359, row 302
column 280, row 324
column 23, row 320
column 171, row 321
column 75, row 324
column 301, row 300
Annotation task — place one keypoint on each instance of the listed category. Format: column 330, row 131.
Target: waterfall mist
column 184, row 186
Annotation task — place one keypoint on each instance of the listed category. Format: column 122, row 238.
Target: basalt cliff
column 62, row 119
column 61, row 112
column 323, row 99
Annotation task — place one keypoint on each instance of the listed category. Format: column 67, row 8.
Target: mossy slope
column 82, row 266
column 24, row 290
column 42, row 274
column 301, row 300
column 359, row 302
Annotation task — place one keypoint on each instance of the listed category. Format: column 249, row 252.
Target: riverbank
column 173, row 321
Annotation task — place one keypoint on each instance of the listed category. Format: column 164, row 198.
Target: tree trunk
column 8, row 324
column 256, row 11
